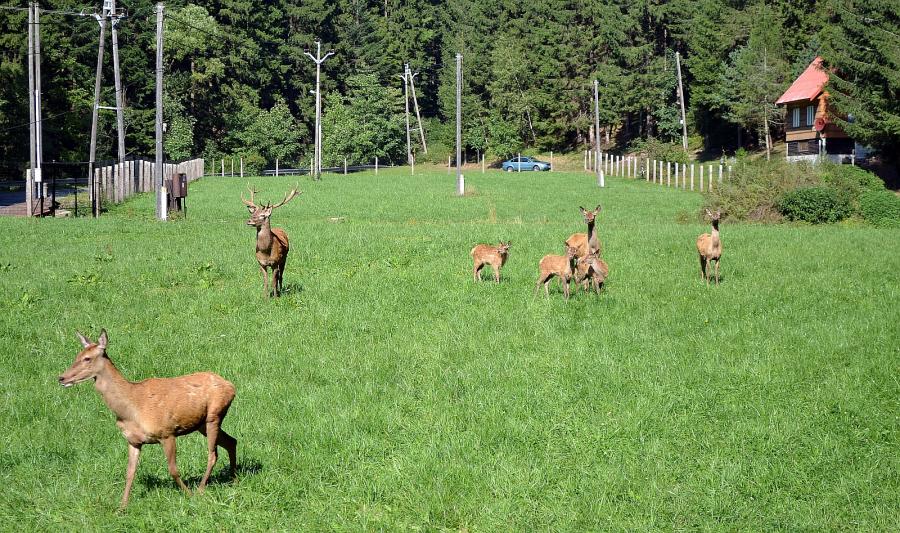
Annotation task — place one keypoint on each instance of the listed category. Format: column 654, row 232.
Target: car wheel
column 536, row 168
column 509, row 168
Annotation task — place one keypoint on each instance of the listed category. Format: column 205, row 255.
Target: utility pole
column 597, row 166
column 412, row 87
column 160, row 197
column 95, row 183
column 318, row 59
column 32, row 130
column 120, row 105
column 684, row 140
column 406, row 79
column 460, row 184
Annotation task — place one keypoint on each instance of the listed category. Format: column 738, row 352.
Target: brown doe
column 157, row 410
column 591, row 268
column 709, row 246
column 487, row 254
column 588, row 242
column 556, row 265
column 271, row 243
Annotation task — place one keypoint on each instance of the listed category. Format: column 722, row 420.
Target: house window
column 795, row 118
column 810, row 115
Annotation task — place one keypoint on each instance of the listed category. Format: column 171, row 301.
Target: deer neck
column 715, row 233
column 115, row 390
column 264, row 237
column 592, row 236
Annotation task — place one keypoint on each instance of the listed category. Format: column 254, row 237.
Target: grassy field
column 387, row 391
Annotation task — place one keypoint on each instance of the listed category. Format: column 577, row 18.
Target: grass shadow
column 222, row 476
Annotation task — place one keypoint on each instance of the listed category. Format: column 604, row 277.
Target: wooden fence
column 122, row 180
column 693, row 176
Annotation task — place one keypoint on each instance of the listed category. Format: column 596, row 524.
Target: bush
column 753, row 190
column 881, row 208
column 815, row 204
column 852, row 180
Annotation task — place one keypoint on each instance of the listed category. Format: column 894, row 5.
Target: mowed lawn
column 387, row 391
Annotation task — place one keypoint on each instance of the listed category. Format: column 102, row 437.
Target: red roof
column 808, row 85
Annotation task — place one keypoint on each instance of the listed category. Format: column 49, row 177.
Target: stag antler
column 290, row 196
column 249, row 203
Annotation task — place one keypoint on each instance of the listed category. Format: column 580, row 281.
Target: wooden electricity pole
column 412, row 89
column 405, row 78
column 600, row 178
column 684, row 139
column 160, row 198
column 318, row 59
column 460, row 184
column 92, row 156
column 117, row 79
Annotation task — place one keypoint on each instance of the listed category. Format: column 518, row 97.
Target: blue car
column 525, row 163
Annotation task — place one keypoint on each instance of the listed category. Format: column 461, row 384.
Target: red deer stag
column 157, row 410
column 586, row 243
column 271, row 243
column 709, row 247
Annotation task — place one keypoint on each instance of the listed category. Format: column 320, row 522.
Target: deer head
column 571, row 252
column 88, row 363
column 503, row 248
column 714, row 217
column 589, row 215
column 259, row 214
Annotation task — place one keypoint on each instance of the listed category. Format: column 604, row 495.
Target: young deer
column 586, row 242
column 591, row 266
column 709, row 247
column 271, row 243
column 486, row 254
column 157, row 410
column 557, row 265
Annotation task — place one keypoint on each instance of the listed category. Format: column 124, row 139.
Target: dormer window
column 795, row 118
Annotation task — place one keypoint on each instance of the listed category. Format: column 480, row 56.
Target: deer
column 556, row 265
column 271, row 243
column 586, row 242
column 591, row 266
column 709, row 246
column 486, row 254
column 157, row 410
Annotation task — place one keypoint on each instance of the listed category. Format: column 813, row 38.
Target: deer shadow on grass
column 224, row 476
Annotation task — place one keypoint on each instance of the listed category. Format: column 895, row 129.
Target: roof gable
column 808, row 85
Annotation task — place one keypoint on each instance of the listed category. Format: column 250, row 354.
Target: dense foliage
column 816, row 205
column 238, row 81
column 881, row 208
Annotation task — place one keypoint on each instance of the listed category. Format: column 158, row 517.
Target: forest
column 238, row 82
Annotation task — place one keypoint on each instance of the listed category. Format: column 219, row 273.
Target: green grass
column 387, row 391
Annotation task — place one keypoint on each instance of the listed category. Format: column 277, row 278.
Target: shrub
column 852, row 180
column 815, row 205
column 753, row 190
column 881, row 208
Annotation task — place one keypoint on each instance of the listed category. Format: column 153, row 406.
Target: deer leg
column 134, row 452
column 702, row 267
column 717, row 272
column 476, row 272
column 230, row 444
column 265, row 280
column 168, row 445
column 547, row 287
column 276, row 277
column 212, row 438
column 496, row 273
column 565, row 284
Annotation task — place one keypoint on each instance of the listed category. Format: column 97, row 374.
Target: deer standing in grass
column 592, row 268
column 486, row 254
column 271, row 243
column 157, row 410
column 709, row 246
column 588, row 242
column 561, row 266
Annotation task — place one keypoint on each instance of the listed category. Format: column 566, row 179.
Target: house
column 809, row 132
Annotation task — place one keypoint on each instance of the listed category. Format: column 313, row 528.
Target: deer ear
column 708, row 213
column 250, row 209
column 101, row 342
column 582, row 209
column 85, row 342
column 598, row 208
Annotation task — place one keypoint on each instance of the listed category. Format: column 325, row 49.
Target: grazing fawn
column 557, row 265
column 486, row 254
column 709, row 246
column 271, row 243
column 586, row 242
column 591, row 266
column 157, row 410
